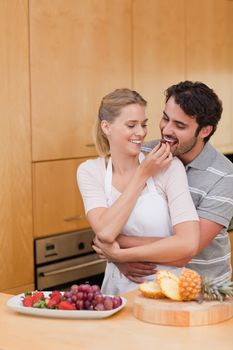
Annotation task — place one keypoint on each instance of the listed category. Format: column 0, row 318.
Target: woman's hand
column 157, row 160
column 110, row 251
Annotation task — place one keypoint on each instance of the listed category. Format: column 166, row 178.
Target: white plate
column 15, row 303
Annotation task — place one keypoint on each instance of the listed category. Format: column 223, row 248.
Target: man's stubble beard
column 185, row 148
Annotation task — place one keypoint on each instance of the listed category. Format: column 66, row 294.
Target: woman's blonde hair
column 109, row 110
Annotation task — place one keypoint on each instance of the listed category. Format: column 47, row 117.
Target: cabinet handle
column 90, row 145
column 74, row 218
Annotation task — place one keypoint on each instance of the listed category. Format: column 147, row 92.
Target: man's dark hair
column 198, row 101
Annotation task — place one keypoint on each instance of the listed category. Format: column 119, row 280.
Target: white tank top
column 150, row 217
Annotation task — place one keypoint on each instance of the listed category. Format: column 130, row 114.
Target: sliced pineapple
column 169, row 284
column 151, row 290
column 167, row 274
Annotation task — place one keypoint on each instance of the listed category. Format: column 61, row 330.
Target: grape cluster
column 89, row 297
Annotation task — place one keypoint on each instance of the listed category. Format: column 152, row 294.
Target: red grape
column 74, row 297
column 87, row 304
column 79, row 296
column 117, row 301
column 80, row 304
column 88, row 297
column 108, row 303
column 74, row 288
column 95, row 288
column 99, row 307
column 99, row 298
column 68, row 294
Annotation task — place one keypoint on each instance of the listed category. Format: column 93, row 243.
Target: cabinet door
column 57, row 202
column 16, row 243
column 210, row 57
column 80, row 50
column 158, row 53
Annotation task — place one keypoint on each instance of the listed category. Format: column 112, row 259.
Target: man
column 192, row 112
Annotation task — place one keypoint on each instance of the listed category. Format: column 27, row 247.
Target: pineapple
column 151, row 290
column 189, row 284
column 193, row 287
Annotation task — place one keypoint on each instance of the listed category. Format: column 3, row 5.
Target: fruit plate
column 15, row 303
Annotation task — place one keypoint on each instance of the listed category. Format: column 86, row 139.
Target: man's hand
column 136, row 272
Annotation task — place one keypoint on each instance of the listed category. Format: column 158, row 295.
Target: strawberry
column 65, row 305
column 28, row 301
column 51, row 303
column 37, row 296
column 56, row 295
column 55, row 292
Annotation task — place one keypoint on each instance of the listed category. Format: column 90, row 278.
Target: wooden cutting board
column 175, row 313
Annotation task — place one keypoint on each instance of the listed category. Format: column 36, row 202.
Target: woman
column 125, row 192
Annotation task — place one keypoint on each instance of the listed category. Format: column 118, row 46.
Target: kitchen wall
column 58, row 58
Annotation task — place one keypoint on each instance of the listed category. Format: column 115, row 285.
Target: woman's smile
column 138, row 142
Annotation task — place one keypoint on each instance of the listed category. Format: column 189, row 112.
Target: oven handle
column 72, row 268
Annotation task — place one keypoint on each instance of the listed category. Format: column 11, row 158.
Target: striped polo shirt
column 210, row 178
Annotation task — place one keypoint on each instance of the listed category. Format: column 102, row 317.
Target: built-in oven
column 65, row 259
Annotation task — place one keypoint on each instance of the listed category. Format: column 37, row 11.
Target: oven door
column 69, row 271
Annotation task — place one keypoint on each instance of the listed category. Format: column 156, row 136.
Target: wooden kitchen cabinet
column 179, row 40
column 79, row 51
column 57, row 202
column 209, row 54
column 16, row 240
column 158, row 53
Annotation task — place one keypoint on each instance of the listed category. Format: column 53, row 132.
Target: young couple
column 137, row 199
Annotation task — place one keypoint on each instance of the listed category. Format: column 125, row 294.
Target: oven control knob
column 81, row 246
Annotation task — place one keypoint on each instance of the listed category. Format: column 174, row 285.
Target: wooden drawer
column 57, row 203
